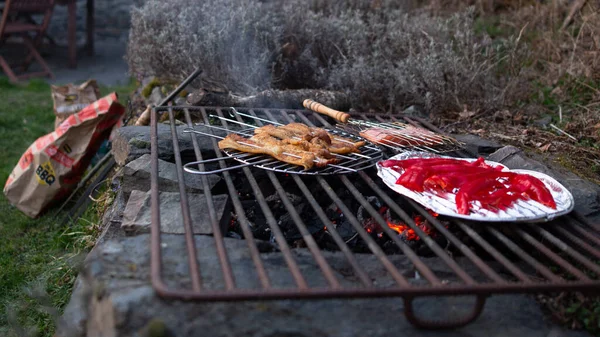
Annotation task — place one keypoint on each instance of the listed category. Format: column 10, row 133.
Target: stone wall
column 112, row 20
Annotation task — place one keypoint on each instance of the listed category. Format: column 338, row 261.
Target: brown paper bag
column 69, row 99
column 54, row 164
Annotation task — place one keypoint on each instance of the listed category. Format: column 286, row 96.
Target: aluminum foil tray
column 521, row 211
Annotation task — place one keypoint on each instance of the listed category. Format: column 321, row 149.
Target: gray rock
column 156, row 97
column 180, row 101
column 132, row 142
column 478, row 145
column 177, row 122
column 415, row 111
column 137, row 213
column 585, row 193
column 147, row 80
column 136, row 176
column 543, row 122
column 123, row 303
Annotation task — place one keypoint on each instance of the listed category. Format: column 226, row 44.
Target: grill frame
column 573, row 223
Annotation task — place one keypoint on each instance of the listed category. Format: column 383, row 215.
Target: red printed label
column 88, row 113
column 44, row 141
column 26, row 159
column 65, row 125
column 103, row 105
column 59, row 156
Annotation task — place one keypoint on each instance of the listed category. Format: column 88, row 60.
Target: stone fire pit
column 114, row 297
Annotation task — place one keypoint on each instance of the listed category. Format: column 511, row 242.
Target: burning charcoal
column 390, row 247
column 362, row 215
column 343, row 227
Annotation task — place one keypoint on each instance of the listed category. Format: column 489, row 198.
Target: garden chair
column 31, row 33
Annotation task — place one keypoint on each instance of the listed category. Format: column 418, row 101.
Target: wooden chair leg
column 71, row 32
column 90, row 27
column 29, row 44
column 11, row 75
column 37, row 42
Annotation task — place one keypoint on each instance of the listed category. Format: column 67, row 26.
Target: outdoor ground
column 38, row 258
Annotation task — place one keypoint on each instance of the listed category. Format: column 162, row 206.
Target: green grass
column 37, row 256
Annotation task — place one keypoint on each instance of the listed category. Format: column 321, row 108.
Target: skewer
column 275, row 123
column 396, row 145
column 190, row 130
column 399, row 126
column 397, row 132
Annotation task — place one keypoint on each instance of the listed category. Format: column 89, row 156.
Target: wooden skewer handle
column 320, row 108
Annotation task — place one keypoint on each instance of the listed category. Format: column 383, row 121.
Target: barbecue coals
column 294, row 143
column 337, row 220
column 471, row 182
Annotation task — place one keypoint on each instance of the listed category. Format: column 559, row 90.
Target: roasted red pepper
column 413, row 179
column 500, row 199
column 478, row 188
column 492, row 187
column 534, row 189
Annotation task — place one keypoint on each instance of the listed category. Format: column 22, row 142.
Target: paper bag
column 69, row 99
column 53, row 165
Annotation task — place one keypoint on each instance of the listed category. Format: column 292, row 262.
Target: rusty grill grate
column 561, row 255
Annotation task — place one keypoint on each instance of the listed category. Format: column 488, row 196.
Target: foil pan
column 520, row 211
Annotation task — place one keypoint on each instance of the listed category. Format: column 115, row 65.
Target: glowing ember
column 373, row 227
column 404, row 229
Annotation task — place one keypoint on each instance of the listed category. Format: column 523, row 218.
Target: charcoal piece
column 363, row 215
column 284, row 219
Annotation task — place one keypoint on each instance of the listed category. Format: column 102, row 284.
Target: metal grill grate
column 524, row 251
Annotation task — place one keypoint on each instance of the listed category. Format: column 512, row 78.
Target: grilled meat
column 294, row 143
column 408, row 136
column 295, row 133
column 281, row 132
column 266, row 144
column 317, row 149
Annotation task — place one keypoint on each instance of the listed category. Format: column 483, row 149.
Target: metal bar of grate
column 557, row 256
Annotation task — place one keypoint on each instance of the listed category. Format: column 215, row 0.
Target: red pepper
column 413, row 179
column 476, row 180
column 448, row 181
column 478, row 188
column 500, row 199
column 534, row 189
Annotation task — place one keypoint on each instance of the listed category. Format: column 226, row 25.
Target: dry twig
column 561, row 131
column 576, row 6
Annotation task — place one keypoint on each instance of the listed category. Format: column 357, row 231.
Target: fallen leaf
column 466, row 114
column 478, row 131
column 556, row 91
column 518, row 117
column 545, row 148
column 502, row 115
